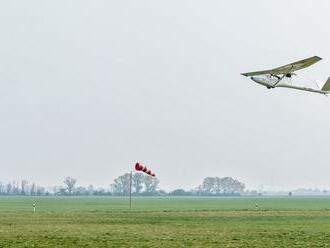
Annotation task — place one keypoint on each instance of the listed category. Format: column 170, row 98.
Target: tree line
column 142, row 185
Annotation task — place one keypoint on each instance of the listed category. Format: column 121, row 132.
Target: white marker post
column 34, row 207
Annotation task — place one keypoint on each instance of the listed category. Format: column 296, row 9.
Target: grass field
column 164, row 222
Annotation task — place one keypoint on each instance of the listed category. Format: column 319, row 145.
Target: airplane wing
column 301, row 64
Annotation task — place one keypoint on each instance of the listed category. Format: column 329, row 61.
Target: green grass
column 164, row 222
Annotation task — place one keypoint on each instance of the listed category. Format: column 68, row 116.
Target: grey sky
column 90, row 87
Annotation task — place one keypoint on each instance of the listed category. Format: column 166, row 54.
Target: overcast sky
column 90, row 87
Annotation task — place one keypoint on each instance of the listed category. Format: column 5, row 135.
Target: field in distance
column 165, row 222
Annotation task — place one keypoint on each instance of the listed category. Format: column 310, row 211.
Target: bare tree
column 232, row 186
column 90, row 189
column 9, row 188
column 70, row 184
column 120, row 185
column 218, row 185
column 81, row 191
column 2, row 188
column 33, row 189
column 151, row 184
column 24, row 187
column 137, row 182
column 208, row 185
column 221, row 186
column 41, row 190
column 15, row 188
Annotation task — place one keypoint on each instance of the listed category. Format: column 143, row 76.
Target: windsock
column 142, row 167
column 139, row 166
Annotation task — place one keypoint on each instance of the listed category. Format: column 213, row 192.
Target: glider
column 274, row 78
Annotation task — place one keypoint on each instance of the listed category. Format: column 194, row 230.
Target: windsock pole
column 130, row 190
column 142, row 168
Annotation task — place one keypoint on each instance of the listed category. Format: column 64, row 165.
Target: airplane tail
column 326, row 86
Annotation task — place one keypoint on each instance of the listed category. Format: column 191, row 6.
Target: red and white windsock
column 143, row 168
column 139, row 166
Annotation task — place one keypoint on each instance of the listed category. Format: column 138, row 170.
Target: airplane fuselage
column 268, row 82
column 274, row 82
